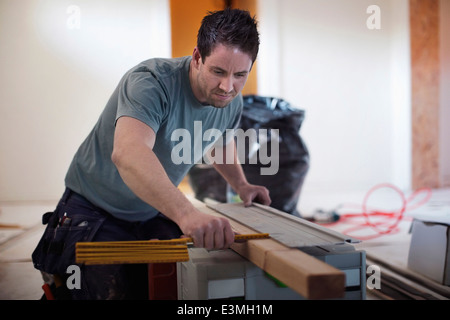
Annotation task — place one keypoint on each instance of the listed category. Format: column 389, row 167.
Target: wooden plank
column 425, row 82
column 290, row 230
column 315, row 279
column 310, row 277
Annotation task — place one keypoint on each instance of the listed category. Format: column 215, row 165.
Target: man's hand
column 250, row 193
column 207, row 231
column 234, row 175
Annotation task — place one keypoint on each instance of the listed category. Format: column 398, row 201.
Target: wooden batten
column 425, row 68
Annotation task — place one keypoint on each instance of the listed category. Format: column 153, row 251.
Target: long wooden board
column 290, row 230
column 310, row 277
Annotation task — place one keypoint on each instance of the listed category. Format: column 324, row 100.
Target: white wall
column 56, row 78
column 353, row 83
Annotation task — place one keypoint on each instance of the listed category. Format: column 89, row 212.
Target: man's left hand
column 250, row 193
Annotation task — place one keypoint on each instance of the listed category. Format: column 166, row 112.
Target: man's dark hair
column 230, row 27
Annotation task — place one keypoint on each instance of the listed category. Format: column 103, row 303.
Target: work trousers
column 74, row 220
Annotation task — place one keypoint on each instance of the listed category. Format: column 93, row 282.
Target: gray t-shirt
column 158, row 93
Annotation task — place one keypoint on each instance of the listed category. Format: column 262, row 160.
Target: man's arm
column 143, row 173
column 234, row 175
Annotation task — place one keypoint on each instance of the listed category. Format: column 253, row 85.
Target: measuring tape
column 237, row 237
column 251, row 236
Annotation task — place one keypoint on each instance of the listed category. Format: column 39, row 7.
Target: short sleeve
column 141, row 97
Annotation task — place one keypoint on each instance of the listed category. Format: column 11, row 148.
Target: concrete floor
column 21, row 229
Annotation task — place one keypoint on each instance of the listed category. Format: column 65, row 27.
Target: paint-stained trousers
column 74, row 220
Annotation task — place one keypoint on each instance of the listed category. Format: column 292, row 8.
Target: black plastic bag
column 272, row 113
column 286, row 184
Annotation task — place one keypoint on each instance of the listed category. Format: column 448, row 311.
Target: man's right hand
column 207, row 231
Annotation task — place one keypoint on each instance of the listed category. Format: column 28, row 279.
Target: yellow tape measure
column 251, row 236
column 121, row 244
column 240, row 237
column 237, row 237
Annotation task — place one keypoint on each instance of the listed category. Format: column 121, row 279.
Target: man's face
column 221, row 76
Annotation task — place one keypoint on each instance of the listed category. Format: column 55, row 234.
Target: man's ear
column 196, row 57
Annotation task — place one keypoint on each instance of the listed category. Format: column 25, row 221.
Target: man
column 122, row 182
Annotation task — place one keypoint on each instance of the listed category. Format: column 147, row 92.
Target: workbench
column 308, row 271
